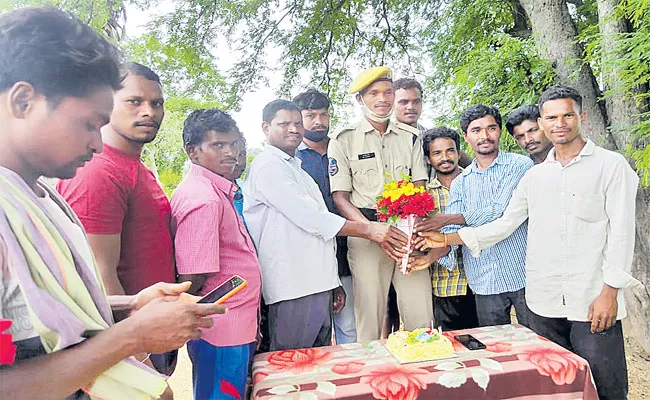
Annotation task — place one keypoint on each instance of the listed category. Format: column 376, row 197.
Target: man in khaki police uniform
column 364, row 156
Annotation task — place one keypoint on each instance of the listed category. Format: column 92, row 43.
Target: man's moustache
column 147, row 123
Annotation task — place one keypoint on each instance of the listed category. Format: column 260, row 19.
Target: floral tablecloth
column 517, row 364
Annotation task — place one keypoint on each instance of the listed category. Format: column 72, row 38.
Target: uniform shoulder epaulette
column 335, row 134
column 407, row 128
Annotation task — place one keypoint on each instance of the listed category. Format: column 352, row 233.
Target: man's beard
column 451, row 171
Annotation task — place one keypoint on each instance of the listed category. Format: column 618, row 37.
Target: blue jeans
column 494, row 309
column 219, row 372
column 344, row 324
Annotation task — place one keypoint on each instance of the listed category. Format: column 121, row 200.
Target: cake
column 421, row 344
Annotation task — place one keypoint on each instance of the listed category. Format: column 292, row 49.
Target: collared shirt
column 446, row 283
column 291, row 227
column 362, row 160
column 315, row 164
column 210, row 238
column 580, row 231
column 481, row 197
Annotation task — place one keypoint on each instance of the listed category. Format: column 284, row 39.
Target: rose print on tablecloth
column 351, row 367
column 297, row 361
column 396, row 382
column 258, row 377
column 559, row 364
column 498, row 347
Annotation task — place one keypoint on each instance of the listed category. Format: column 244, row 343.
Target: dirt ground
column 638, row 364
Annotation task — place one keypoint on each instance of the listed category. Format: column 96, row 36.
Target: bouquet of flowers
column 400, row 204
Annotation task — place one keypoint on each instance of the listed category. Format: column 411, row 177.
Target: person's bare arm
column 346, row 208
column 437, row 221
column 78, row 366
column 106, row 249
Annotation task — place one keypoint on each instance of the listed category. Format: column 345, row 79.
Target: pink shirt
column 210, row 238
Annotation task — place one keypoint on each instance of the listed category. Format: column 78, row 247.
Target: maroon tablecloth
column 517, row 364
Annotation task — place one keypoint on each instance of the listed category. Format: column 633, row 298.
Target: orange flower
column 297, row 361
column 351, row 367
column 396, row 382
column 561, row 365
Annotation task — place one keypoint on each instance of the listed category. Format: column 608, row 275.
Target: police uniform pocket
column 365, row 173
column 589, row 208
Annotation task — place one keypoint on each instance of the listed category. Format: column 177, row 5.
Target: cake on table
column 421, row 344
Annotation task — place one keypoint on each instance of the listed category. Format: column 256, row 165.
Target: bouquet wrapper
column 406, row 225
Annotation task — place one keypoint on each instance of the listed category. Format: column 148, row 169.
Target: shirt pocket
column 589, row 208
column 365, row 173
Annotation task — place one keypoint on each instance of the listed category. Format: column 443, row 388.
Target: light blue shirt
column 291, row 227
column 482, row 197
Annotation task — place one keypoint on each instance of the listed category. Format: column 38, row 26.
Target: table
column 517, row 364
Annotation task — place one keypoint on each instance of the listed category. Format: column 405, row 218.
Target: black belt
column 369, row 213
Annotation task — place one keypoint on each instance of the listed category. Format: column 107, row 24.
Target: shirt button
column 385, row 165
column 383, row 147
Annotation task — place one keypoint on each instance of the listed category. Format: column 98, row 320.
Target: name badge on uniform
column 366, row 156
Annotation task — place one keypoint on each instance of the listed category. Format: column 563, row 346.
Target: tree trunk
column 623, row 115
column 555, row 35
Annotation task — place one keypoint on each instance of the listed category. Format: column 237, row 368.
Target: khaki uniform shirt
column 361, row 160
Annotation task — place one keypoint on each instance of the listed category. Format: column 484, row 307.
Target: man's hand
column 391, row 240
column 161, row 290
column 429, row 240
column 417, row 263
column 382, row 233
column 338, row 299
column 602, row 312
column 431, row 224
column 162, row 326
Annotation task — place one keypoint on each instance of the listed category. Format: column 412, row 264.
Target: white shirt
column 580, row 231
column 291, row 227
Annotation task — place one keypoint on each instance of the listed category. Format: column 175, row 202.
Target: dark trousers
column 604, row 351
column 494, row 309
column 455, row 312
column 301, row 323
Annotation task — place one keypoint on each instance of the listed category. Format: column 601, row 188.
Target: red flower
column 351, row 367
column 396, row 382
column 561, row 365
column 297, row 361
column 259, row 377
column 498, row 347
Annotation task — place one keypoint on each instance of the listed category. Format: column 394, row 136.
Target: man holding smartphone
column 212, row 245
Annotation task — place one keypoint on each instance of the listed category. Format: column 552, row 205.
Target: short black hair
column 312, row 99
column 276, row 105
column 440, row 132
column 520, row 114
column 407, row 83
column 56, row 53
column 478, row 111
column 560, row 92
column 134, row 68
column 199, row 122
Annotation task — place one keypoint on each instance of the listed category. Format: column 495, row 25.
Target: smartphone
column 225, row 291
column 470, row 342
